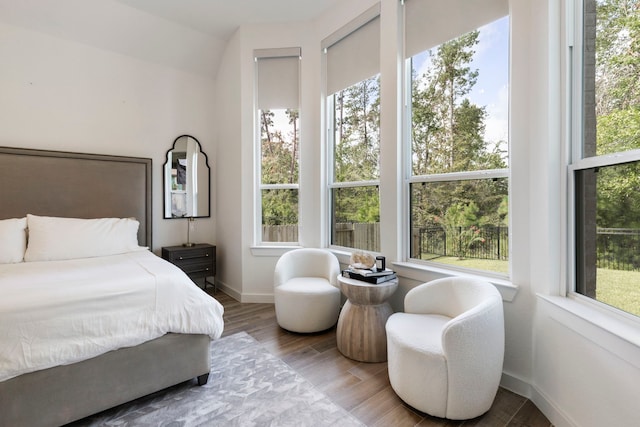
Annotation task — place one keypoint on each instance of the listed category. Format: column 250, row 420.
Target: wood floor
column 363, row 389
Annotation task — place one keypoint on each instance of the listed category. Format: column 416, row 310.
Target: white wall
column 229, row 172
column 63, row 95
column 584, row 375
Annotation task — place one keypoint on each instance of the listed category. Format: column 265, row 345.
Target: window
column 277, row 117
column 605, row 169
column 457, row 68
column 353, row 117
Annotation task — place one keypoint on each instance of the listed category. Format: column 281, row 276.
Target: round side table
column 361, row 331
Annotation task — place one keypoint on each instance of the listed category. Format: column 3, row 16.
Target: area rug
column 248, row 386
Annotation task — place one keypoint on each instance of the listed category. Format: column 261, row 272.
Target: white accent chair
column 306, row 293
column 445, row 352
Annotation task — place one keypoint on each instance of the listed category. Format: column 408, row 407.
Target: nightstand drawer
column 186, row 255
column 197, row 268
column 197, row 261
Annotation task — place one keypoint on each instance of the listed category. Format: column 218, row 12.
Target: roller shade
column 278, row 78
column 429, row 23
column 354, row 57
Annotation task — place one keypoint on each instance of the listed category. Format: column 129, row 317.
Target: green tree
column 448, row 136
column 279, row 148
column 358, row 140
column 357, row 151
column 279, row 207
column 617, row 55
column 459, row 223
column 618, row 110
column 447, row 82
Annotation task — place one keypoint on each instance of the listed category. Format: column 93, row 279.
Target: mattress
column 60, row 312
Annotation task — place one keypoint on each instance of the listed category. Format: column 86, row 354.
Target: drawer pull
column 190, row 257
column 198, row 271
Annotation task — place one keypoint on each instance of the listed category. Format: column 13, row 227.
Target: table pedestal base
column 361, row 331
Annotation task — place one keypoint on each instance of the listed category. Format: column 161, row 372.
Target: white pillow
column 54, row 238
column 13, row 240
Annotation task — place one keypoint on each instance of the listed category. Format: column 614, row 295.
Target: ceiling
column 220, row 18
column 190, row 35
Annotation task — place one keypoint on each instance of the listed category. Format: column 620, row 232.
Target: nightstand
column 197, row 261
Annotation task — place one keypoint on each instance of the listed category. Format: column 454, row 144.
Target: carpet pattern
column 248, row 386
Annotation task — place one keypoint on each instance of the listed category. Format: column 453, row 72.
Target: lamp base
column 188, row 245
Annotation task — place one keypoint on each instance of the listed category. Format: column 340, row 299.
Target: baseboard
column 221, row 286
column 244, row 297
column 556, row 415
column 543, row 402
column 516, row 385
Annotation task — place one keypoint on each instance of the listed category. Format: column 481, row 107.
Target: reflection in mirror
column 186, row 180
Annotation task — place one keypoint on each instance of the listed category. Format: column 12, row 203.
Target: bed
column 85, row 267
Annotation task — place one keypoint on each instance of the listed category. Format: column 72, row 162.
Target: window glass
column 356, row 220
column 461, row 223
column 607, row 170
column 280, row 215
column 611, row 70
column 356, row 154
column 357, row 132
column 279, row 146
column 459, row 150
column 279, row 130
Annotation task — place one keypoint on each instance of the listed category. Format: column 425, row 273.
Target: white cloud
column 497, row 121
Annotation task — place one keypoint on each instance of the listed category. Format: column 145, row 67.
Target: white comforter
column 60, row 312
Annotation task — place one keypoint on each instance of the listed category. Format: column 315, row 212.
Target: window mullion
column 354, row 184
column 461, row 176
column 279, row 186
column 606, row 160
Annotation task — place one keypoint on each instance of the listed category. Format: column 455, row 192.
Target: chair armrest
column 474, row 341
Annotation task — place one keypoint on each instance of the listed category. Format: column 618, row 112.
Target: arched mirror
column 186, row 180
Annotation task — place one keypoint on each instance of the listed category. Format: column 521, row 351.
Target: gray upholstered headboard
column 56, row 183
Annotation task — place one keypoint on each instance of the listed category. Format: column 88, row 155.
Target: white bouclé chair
column 306, row 293
column 445, row 352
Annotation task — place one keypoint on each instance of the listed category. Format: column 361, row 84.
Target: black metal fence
column 618, row 248
column 487, row 242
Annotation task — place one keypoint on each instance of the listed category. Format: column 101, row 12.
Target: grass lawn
column 492, row 265
column 620, row 289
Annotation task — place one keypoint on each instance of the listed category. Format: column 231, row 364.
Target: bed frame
column 53, row 183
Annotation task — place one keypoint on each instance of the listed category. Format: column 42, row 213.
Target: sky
column 492, row 87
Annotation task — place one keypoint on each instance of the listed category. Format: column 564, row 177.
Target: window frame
column 576, row 161
column 410, row 179
column 332, row 184
column 329, row 102
column 259, row 186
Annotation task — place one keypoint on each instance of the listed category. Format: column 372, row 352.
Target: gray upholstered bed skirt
column 67, row 393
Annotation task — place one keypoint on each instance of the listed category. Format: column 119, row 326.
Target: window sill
column 423, row 273
column 616, row 334
column 271, row 251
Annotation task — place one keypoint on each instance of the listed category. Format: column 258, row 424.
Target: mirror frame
column 166, row 182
